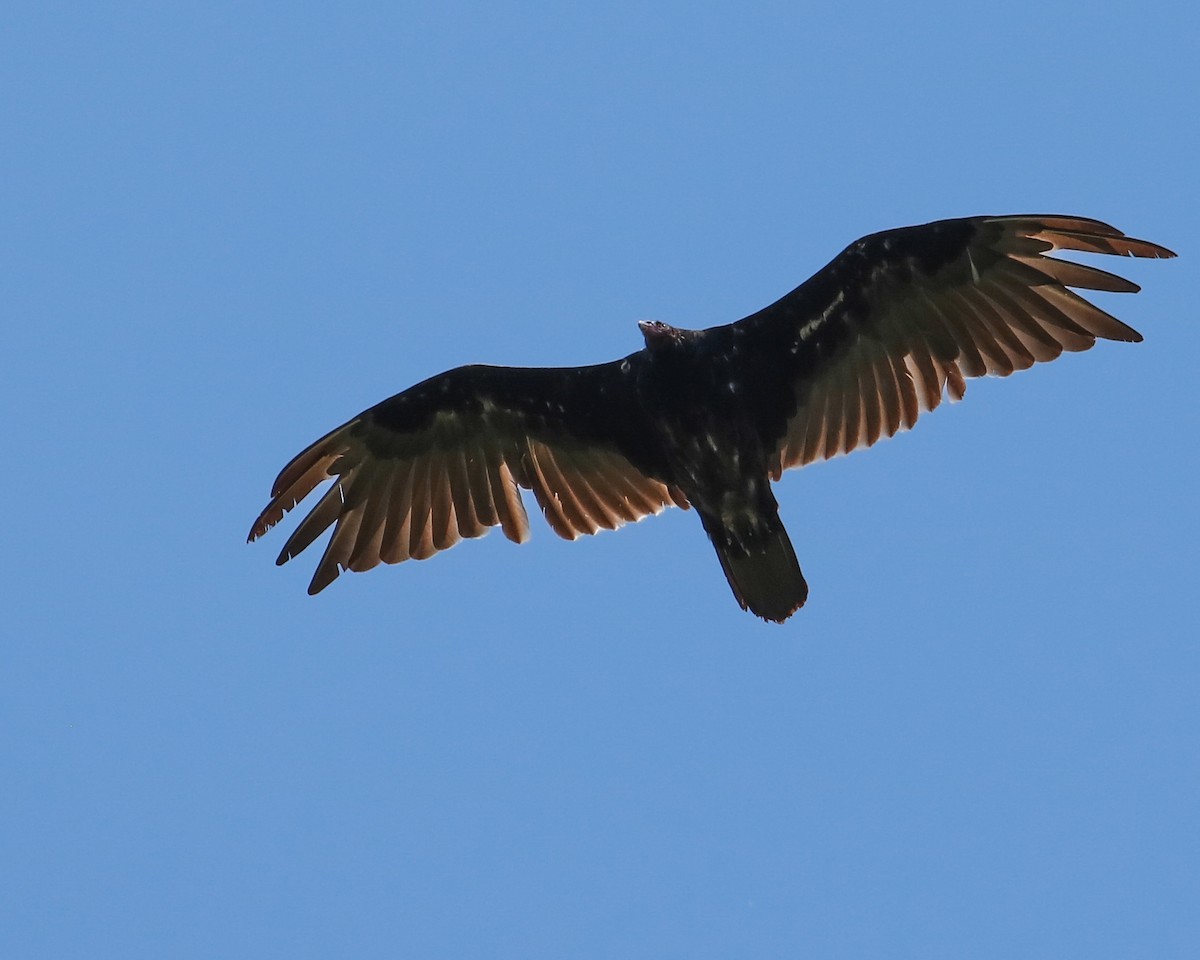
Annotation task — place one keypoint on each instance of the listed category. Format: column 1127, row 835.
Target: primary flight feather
column 708, row 418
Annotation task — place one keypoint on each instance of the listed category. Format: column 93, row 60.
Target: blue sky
column 230, row 227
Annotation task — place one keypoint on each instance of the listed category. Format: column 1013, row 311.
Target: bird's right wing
column 441, row 461
column 901, row 318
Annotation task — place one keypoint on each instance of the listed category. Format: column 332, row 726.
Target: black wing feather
column 442, row 461
column 943, row 301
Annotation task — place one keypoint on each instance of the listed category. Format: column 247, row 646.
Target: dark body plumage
column 707, row 418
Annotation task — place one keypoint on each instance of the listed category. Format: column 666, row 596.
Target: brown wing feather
column 921, row 322
column 409, row 488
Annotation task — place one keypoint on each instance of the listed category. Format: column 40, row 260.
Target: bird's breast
column 703, row 431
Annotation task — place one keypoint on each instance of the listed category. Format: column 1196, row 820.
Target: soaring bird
column 708, row 418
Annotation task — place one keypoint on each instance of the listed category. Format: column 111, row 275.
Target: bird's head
column 660, row 335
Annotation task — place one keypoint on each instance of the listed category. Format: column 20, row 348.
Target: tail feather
column 765, row 577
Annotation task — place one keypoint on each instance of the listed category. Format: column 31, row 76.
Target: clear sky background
column 229, row 227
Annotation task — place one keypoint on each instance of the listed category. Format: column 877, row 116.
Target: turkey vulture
column 707, row 418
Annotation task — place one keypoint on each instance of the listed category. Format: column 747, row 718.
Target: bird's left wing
column 901, row 318
column 441, row 461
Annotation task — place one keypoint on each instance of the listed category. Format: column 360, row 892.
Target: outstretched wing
column 443, row 460
column 901, row 318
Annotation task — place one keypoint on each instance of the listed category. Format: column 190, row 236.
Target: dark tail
column 761, row 567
